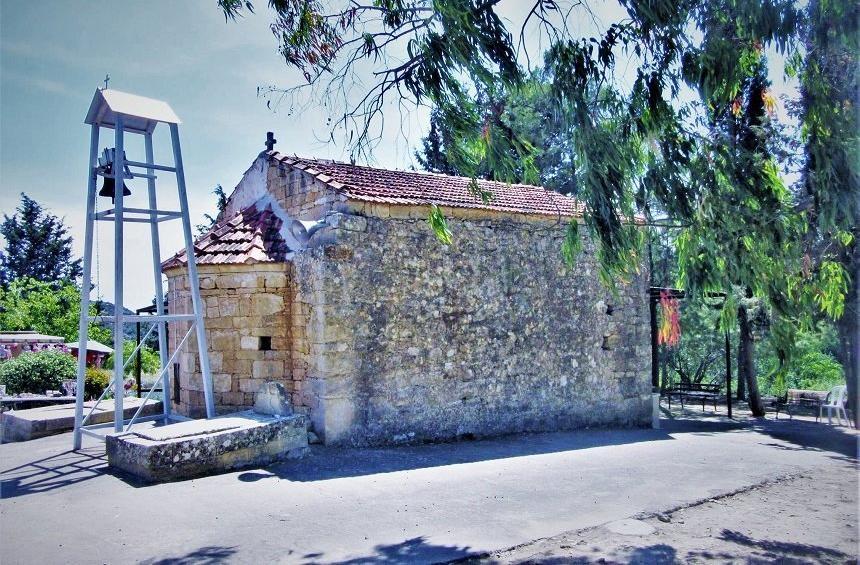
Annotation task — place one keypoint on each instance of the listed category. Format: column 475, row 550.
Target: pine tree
column 432, row 156
column 38, row 246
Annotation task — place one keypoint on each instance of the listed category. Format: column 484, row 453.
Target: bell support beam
column 150, row 164
column 193, row 279
column 134, row 318
column 83, row 324
column 156, row 271
column 152, row 215
column 118, row 337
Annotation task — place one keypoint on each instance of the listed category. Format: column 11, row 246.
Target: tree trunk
column 849, row 337
column 746, row 364
column 742, row 377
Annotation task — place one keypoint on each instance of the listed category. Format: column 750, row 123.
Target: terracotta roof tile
column 251, row 236
column 370, row 184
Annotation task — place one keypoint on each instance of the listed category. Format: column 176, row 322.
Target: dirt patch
column 805, row 518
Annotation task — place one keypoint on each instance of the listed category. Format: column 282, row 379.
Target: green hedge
column 97, row 380
column 37, row 372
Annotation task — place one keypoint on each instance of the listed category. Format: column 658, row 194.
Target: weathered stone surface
column 245, row 303
column 191, row 449
column 410, row 340
column 24, row 425
column 272, row 399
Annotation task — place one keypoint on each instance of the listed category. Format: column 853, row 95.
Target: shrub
column 37, row 372
column 815, row 371
column 97, row 380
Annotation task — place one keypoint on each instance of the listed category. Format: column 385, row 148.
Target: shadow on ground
column 56, row 471
column 333, row 463
column 414, row 550
column 209, row 555
column 743, row 549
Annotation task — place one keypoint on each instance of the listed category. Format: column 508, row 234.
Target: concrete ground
column 416, row 504
column 807, row 518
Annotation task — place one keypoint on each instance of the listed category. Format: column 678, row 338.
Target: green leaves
column 572, row 245
column 38, row 245
column 832, row 286
column 49, row 308
column 37, row 372
column 439, row 225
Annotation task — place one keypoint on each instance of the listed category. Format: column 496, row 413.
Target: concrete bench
column 32, row 423
column 201, row 447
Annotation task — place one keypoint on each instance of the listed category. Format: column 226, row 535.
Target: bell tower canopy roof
column 140, row 114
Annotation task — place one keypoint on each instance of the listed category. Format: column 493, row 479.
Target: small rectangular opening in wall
column 265, row 343
column 175, row 383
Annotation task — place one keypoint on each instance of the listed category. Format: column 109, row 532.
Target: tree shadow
column 56, row 471
column 327, row 462
column 414, row 550
column 812, row 436
column 657, row 554
column 208, row 555
column 795, row 435
column 783, row 549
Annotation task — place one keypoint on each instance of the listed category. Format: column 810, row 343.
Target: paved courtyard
column 425, row 503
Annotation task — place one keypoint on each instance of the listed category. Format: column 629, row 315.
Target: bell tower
column 131, row 114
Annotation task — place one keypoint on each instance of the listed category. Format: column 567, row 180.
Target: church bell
column 106, row 169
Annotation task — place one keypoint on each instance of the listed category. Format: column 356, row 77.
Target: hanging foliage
column 670, row 320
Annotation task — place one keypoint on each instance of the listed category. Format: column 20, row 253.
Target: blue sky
column 53, row 55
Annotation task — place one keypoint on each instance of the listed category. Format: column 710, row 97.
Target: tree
column 529, row 113
column 752, row 194
column 49, row 308
column 37, row 246
column 220, row 206
column 433, row 155
column 635, row 143
column 830, row 181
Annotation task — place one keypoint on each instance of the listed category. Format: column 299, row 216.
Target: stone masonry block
column 265, row 304
column 268, row 369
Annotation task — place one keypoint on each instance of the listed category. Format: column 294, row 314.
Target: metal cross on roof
column 107, row 80
column 270, row 141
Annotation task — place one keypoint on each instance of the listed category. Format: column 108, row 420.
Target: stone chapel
column 327, row 277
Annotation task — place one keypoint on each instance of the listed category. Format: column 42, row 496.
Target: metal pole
column 193, row 281
column 118, row 338
column 83, row 322
column 728, row 374
column 138, row 357
column 159, row 290
column 655, row 351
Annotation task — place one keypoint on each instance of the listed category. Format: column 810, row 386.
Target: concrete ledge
column 32, row 423
column 201, row 447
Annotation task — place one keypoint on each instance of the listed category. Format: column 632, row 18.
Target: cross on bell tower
column 270, row 141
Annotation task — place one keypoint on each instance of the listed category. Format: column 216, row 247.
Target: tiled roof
column 251, row 236
column 418, row 188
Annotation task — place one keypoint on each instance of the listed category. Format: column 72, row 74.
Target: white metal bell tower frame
column 131, row 114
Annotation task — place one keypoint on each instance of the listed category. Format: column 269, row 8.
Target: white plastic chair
column 835, row 401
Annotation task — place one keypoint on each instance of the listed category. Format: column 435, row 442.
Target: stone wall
column 409, row 340
column 302, row 196
column 245, row 304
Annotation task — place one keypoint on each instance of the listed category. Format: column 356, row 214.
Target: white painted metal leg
column 156, row 266
column 83, row 323
column 118, row 336
column 193, row 280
